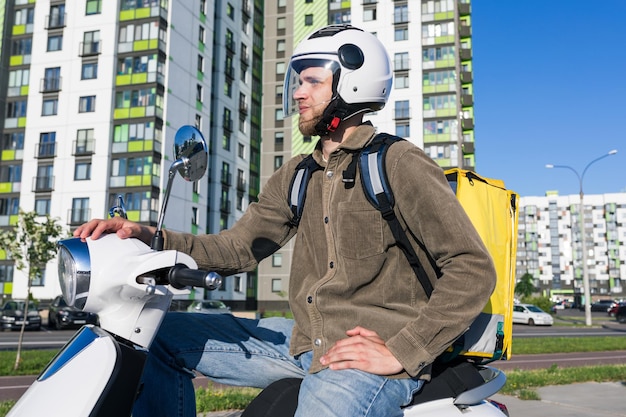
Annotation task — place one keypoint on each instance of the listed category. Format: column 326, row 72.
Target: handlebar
column 181, row 276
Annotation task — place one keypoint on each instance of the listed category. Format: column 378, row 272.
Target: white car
column 531, row 314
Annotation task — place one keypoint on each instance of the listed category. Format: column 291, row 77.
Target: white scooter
column 130, row 285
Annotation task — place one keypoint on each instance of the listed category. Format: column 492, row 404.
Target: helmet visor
column 294, row 79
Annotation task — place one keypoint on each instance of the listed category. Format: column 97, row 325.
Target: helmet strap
column 334, row 113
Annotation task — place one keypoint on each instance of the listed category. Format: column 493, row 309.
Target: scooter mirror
column 190, row 148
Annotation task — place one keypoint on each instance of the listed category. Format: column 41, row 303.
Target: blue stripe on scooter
column 83, row 338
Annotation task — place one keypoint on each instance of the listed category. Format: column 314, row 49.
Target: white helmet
column 361, row 72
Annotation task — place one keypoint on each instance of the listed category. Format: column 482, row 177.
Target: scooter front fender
column 94, row 375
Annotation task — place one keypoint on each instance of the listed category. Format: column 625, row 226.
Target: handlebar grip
column 181, row 276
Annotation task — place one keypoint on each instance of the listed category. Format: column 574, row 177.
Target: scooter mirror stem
column 157, row 241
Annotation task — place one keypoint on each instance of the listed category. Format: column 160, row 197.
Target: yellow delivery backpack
column 494, row 212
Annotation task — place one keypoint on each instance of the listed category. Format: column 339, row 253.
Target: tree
column 525, row 286
column 31, row 244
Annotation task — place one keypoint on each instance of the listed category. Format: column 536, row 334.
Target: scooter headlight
column 74, row 271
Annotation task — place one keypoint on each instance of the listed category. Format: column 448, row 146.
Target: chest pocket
column 359, row 230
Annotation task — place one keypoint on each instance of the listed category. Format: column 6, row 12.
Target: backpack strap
column 379, row 193
column 298, row 187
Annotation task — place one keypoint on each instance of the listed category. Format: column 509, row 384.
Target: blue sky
column 550, row 87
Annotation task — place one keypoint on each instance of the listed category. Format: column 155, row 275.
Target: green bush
column 543, row 303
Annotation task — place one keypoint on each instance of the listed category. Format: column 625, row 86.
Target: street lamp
column 581, row 221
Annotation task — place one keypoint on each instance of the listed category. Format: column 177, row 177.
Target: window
column 230, row 11
column 277, row 285
column 237, row 285
column 241, row 151
column 280, row 68
column 6, row 273
column 42, row 206
column 16, row 109
column 47, row 145
column 17, row 80
column 24, row 16
column 82, row 170
column 87, row 104
column 401, row 81
column 194, row 216
column 91, row 43
column 401, row 61
column 401, row 34
column 281, row 23
column 93, row 7
column 89, row 71
column 279, row 115
column 9, row 206
column 402, row 110
column 401, row 14
column 199, row 95
column 308, row 20
column 52, row 79
column 200, row 63
column 21, row 46
column 80, row 210
column 278, row 162
column 280, row 45
column 50, row 107
column 198, row 122
column 55, row 43
column 369, row 14
column 277, row 260
column 56, row 19
column 201, row 34
column 84, row 142
column 203, row 7
column 403, row 130
column 11, row 173
column 282, row 3
column 12, row 141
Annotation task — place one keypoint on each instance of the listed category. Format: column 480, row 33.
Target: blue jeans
column 255, row 353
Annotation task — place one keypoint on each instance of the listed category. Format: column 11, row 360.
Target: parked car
column 62, row 316
column 209, row 307
column 602, row 305
column 13, row 316
column 531, row 314
column 620, row 314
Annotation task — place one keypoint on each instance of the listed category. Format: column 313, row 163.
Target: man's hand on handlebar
column 118, row 225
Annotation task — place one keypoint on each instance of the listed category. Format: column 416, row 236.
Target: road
column 14, row 387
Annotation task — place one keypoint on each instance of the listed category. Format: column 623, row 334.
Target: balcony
column 402, row 113
column 241, row 184
column 465, row 54
column 55, row 21
column 89, row 49
column 466, row 77
column 243, row 107
column 228, row 125
column 76, row 217
column 45, row 183
column 465, row 31
column 467, row 100
column 83, row 147
column 45, row 150
column 464, row 8
column 225, row 206
column 50, row 85
column 401, row 64
column 400, row 17
column 226, row 178
column 467, row 124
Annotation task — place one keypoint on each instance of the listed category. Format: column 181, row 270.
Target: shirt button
column 318, row 342
column 332, row 265
column 309, row 299
column 329, row 174
column 326, row 219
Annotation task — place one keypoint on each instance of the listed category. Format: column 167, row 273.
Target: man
column 364, row 332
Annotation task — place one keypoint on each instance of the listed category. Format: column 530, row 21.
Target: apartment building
column 431, row 104
column 91, row 95
column 550, row 244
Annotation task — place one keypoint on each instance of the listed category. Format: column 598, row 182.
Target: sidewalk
column 590, row 399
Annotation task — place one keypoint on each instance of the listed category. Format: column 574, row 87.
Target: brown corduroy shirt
column 347, row 270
